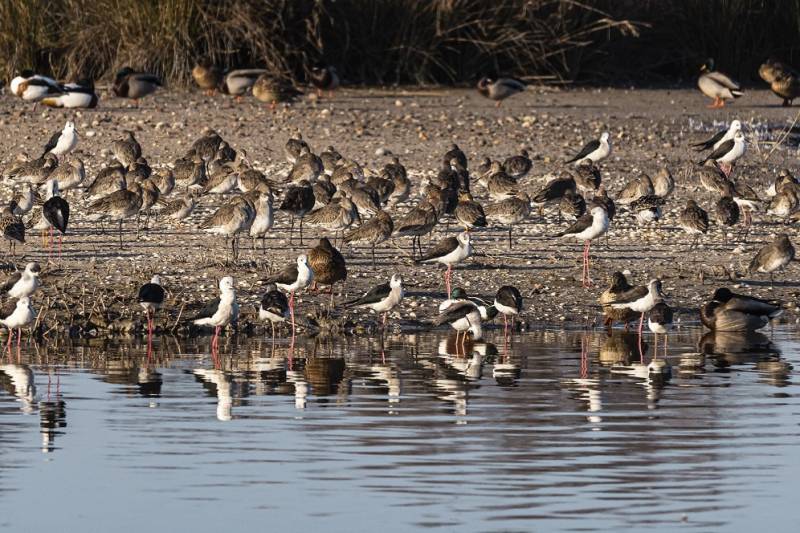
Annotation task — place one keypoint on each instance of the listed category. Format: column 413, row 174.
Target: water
column 557, row 432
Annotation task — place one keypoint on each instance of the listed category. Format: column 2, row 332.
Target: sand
column 93, row 287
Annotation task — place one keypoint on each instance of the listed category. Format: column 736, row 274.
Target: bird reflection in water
column 52, row 413
column 729, row 348
column 458, row 367
column 21, row 385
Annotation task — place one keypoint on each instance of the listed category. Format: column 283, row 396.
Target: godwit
column 13, row 227
column 307, row 167
column 151, row 298
column 62, row 142
column 712, row 178
column 726, row 213
column 263, row 220
column 449, row 251
column 126, row 150
column 595, row 150
column 294, row 277
column 23, row 283
column 587, row 177
column 108, row 180
column 518, row 166
column 70, row 174
column 221, row 181
column 274, row 307
column 635, row 188
column 165, row 181
column 419, row 221
column 15, row 317
column 24, row 200
column 500, row 185
column 219, row 312
column 553, row 191
column 190, row 171
column 694, row 221
column 572, row 205
column 335, row 217
column 772, row 257
column 663, row 182
column 228, row 221
column 468, row 212
column 374, row 231
column 647, row 208
column 587, row 228
column 382, row 298
column 297, row 202
column 293, row 148
column 728, row 311
column 510, row 211
column 33, row 170
column 117, row 206
column 330, row 159
column 328, row 265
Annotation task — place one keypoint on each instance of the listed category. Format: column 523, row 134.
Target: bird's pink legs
column 19, row 337
column 641, row 326
column 587, row 282
column 291, row 310
column 10, row 339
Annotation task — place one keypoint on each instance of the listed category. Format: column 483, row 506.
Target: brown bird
column 207, row 76
column 12, row 226
column 374, row 231
column 619, row 285
column 328, row 265
column 772, row 257
column 694, row 221
column 468, row 212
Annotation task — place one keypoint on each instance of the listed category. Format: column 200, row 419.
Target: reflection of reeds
column 385, row 41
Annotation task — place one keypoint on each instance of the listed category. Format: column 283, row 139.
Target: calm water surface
column 558, row 431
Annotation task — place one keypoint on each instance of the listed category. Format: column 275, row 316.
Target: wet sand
column 95, row 284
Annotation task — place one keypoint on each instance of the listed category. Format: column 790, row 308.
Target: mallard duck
column 238, row 81
column 782, row 78
column 500, row 89
column 728, row 311
column 207, row 76
column 74, row 95
column 131, row 84
column 273, row 90
column 324, row 78
column 717, row 85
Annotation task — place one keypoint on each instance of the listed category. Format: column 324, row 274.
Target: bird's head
column 302, row 260
column 604, row 137
column 708, row 66
column 24, row 301
column 226, row 284
column 155, row 280
column 69, row 126
column 656, row 288
column 464, row 238
column 722, row 295
column 396, row 281
column 33, row 268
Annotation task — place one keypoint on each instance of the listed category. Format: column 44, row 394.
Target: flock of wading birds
column 334, row 193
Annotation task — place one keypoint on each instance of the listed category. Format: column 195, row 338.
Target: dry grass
column 391, row 41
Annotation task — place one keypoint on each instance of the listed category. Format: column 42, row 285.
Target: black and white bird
column 659, row 320
column 382, row 298
column 74, row 95
column 62, row 142
column 595, row 150
column 727, row 153
column 587, row 228
column 151, row 298
column 449, row 251
column 639, row 299
column 773, row 257
column 508, row 302
column 295, row 277
column 463, row 316
column 720, row 137
column 33, row 87
column 219, row 312
column 274, row 307
column 55, row 213
column 17, row 316
column 23, row 283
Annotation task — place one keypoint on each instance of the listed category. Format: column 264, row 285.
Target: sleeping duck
column 324, row 78
column 274, row 90
column 74, row 95
column 782, row 78
column 500, row 89
column 33, row 87
column 728, row 311
column 717, row 85
column 238, row 81
column 134, row 85
column 207, row 76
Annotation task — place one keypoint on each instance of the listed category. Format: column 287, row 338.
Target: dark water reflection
column 558, row 431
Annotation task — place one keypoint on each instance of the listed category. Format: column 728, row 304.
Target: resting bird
column 717, row 85
column 151, row 298
column 783, row 80
column 324, row 78
column 135, row 85
column 273, row 90
column 500, row 89
column 728, row 311
column 207, row 76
